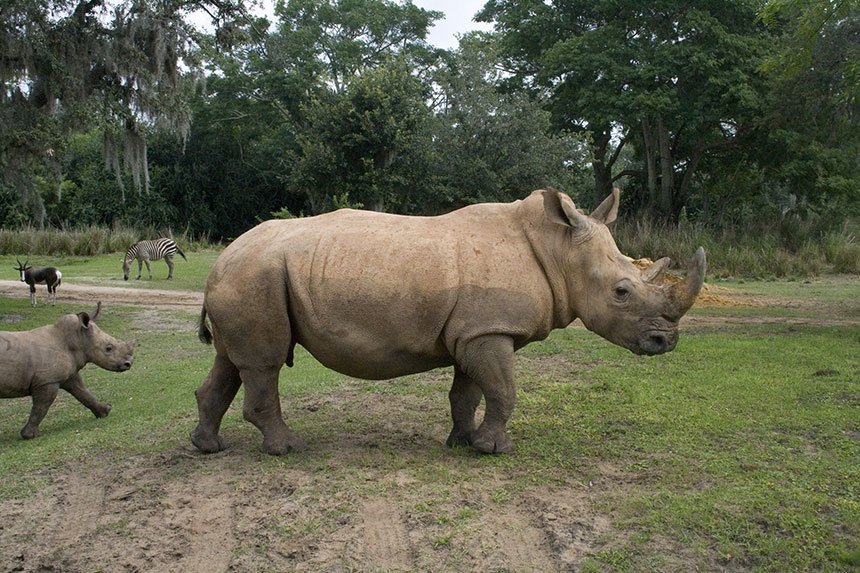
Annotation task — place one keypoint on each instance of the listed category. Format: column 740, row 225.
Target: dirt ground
column 238, row 511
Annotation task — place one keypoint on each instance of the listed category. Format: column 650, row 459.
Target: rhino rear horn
column 683, row 294
column 654, row 273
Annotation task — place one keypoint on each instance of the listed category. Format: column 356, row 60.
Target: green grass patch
column 740, row 450
column 106, row 270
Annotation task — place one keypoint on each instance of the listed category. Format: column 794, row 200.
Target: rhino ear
column 607, row 211
column 561, row 210
column 84, row 319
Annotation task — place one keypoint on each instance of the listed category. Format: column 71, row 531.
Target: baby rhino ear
column 607, row 211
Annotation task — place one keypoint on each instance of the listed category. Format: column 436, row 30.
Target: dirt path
column 118, row 295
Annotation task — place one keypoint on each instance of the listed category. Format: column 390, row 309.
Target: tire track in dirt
column 206, row 514
column 383, row 540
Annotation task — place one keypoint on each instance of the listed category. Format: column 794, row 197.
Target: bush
column 88, row 241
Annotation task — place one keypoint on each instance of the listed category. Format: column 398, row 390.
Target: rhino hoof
column 492, row 443
column 284, row 446
column 205, row 444
column 28, row 433
column 102, row 411
column 456, row 439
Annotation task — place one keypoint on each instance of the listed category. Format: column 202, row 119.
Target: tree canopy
column 710, row 109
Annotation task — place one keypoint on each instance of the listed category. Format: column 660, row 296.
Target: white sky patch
column 457, row 21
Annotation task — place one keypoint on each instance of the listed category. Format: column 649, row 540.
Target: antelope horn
column 98, row 310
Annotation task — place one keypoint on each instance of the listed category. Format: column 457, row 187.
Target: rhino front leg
column 262, row 408
column 213, row 398
column 43, row 397
column 465, row 395
column 489, row 361
column 75, row 387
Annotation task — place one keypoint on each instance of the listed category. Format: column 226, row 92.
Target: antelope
column 33, row 276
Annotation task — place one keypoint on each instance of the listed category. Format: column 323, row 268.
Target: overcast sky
column 457, row 20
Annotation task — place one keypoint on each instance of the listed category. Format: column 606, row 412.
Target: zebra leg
column 169, row 260
column 148, row 270
column 140, row 268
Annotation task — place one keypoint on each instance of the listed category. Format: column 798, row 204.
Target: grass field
column 739, row 451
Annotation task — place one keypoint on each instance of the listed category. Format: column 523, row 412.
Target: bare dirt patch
column 233, row 511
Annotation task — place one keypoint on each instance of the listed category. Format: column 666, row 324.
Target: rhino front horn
column 684, row 293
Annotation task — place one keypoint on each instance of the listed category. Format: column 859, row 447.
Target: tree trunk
column 602, row 168
column 650, row 140
column 667, row 169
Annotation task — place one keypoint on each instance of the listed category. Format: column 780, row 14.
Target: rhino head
column 631, row 307
column 101, row 348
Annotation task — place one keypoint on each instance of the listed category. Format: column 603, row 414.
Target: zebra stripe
column 154, row 250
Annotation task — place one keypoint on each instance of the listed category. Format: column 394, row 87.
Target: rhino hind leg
column 465, row 395
column 75, row 387
column 43, row 397
column 488, row 361
column 213, row 398
column 263, row 409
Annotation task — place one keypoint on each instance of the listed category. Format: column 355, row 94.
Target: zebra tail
column 203, row 332
column 178, row 250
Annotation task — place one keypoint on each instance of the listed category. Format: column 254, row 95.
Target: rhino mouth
column 654, row 342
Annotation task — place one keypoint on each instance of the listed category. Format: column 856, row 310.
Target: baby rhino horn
column 683, row 294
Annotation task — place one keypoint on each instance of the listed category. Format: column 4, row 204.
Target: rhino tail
column 203, row 332
column 291, row 355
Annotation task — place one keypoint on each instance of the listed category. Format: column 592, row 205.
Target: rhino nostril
column 657, row 342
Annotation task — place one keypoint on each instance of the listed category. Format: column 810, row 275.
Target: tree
column 676, row 79
column 70, row 65
column 489, row 145
column 346, row 75
column 810, row 24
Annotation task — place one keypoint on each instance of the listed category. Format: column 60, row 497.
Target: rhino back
column 31, row 358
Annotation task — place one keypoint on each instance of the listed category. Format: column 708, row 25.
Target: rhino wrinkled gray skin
column 39, row 362
column 376, row 296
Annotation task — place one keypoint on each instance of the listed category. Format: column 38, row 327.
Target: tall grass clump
column 87, row 241
column 779, row 249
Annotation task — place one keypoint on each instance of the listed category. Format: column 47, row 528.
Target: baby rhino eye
column 621, row 292
column 108, row 348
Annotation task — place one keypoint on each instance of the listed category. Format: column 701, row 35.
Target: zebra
column 145, row 251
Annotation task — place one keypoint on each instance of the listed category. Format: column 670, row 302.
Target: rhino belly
column 373, row 363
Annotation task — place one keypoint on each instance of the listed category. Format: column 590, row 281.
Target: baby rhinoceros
column 39, row 362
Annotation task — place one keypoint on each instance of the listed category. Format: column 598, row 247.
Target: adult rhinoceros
column 376, row 296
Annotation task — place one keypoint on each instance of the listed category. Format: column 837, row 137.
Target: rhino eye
column 621, row 293
column 108, row 348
